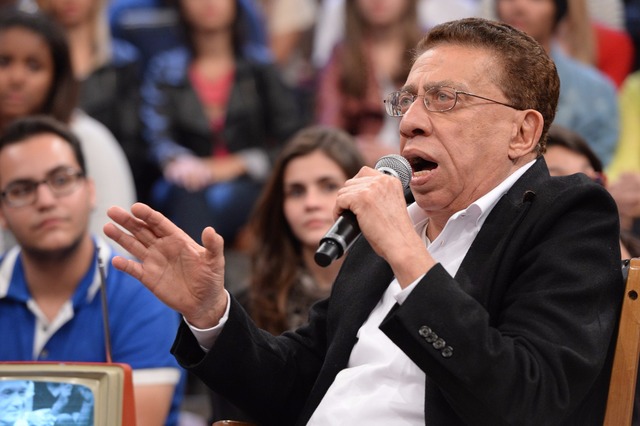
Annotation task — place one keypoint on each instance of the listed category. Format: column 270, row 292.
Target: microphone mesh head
column 397, row 166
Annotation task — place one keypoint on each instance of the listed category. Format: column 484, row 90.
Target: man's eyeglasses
column 61, row 182
column 436, row 99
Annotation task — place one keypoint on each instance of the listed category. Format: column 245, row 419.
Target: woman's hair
column 239, row 27
column 277, row 254
column 63, row 94
column 100, row 32
column 354, row 67
column 561, row 136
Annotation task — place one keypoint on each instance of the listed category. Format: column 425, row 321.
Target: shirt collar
column 13, row 284
column 479, row 208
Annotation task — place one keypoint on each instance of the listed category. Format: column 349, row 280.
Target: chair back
column 622, row 387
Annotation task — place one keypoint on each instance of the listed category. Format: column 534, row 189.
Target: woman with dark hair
column 36, row 77
column 293, row 213
column 51, row 68
column 213, row 117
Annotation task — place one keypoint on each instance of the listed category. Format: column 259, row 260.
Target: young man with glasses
column 50, row 303
column 491, row 300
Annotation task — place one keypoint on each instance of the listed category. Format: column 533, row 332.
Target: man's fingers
column 212, row 241
column 126, row 241
column 154, row 220
column 130, row 267
column 144, row 223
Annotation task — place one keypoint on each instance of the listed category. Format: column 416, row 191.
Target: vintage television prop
column 92, row 394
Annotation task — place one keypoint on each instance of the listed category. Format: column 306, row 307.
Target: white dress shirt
column 380, row 384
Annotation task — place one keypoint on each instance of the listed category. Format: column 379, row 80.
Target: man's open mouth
column 420, row 166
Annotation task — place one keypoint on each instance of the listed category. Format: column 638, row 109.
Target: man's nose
column 44, row 195
column 416, row 120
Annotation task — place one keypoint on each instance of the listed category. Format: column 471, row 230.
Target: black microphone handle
column 338, row 239
column 345, row 231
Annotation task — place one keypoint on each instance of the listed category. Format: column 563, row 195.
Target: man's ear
column 527, row 130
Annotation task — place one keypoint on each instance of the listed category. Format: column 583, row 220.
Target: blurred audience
column 214, row 119
column 330, row 28
column 588, row 100
column 153, row 27
column 592, row 32
column 588, row 36
column 290, row 26
column 615, row 53
column 632, row 25
column 108, row 69
column 36, row 77
column 627, row 157
column 625, row 169
column 568, row 153
column 373, row 59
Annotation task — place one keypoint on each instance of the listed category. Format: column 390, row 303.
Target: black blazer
column 527, row 322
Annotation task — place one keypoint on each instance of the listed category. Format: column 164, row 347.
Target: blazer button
column 439, row 343
column 424, row 331
column 431, row 337
column 447, row 352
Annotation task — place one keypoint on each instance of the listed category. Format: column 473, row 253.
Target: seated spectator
column 108, row 69
column 290, row 25
column 294, row 212
column 568, row 153
column 373, row 60
column 213, row 120
column 330, row 26
column 36, row 77
column 152, row 26
column 632, row 25
column 50, row 304
column 588, row 99
column 592, row 32
column 627, row 157
column 615, row 53
column 625, row 169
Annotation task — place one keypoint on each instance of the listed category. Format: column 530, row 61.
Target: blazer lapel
column 482, row 262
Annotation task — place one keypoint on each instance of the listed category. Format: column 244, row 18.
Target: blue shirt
column 141, row 327
column 588, row 105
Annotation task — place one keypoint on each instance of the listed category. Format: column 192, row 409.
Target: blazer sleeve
column 531, row 346
column 269, row 377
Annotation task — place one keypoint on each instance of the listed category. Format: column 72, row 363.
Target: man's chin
column 52, row 249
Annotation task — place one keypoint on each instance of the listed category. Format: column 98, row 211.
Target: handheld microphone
column 345, row 231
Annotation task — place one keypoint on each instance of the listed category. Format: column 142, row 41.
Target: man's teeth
column 422, row 172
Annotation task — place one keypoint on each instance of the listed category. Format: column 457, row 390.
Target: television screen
column 74, row 394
